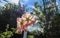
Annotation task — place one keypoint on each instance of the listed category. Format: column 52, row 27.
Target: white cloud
column 2, row 3
column 13, row 1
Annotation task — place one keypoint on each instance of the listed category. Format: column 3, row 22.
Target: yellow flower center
column 21, row 23
column 27, row 19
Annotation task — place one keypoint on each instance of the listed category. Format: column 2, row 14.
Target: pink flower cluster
column 26, row 20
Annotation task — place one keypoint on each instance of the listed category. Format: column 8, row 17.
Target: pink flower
column 24, row 22
column 19, row 31
column 19, row 25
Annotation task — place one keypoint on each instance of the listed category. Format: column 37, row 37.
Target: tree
column 51, row 18
column 8, row 16
column 38, row 11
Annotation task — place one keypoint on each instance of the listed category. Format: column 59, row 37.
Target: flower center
column 21, row 23
column 27, row 19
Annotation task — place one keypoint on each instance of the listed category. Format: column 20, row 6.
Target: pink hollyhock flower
column 19, row 25
column 24, row 22
column 29, row 18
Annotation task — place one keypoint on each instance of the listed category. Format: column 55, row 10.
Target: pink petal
column 19, row 31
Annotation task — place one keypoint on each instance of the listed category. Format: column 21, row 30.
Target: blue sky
column 28, row 3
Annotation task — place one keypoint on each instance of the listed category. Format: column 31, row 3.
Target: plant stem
column 25, row 35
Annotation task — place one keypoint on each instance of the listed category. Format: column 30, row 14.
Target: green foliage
column 9, row 6
column 8, row 13
column 39, row 13
column 30, row 36
column 56, row 22
column 7, row 33
column 52, row 26
column 36, row 32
